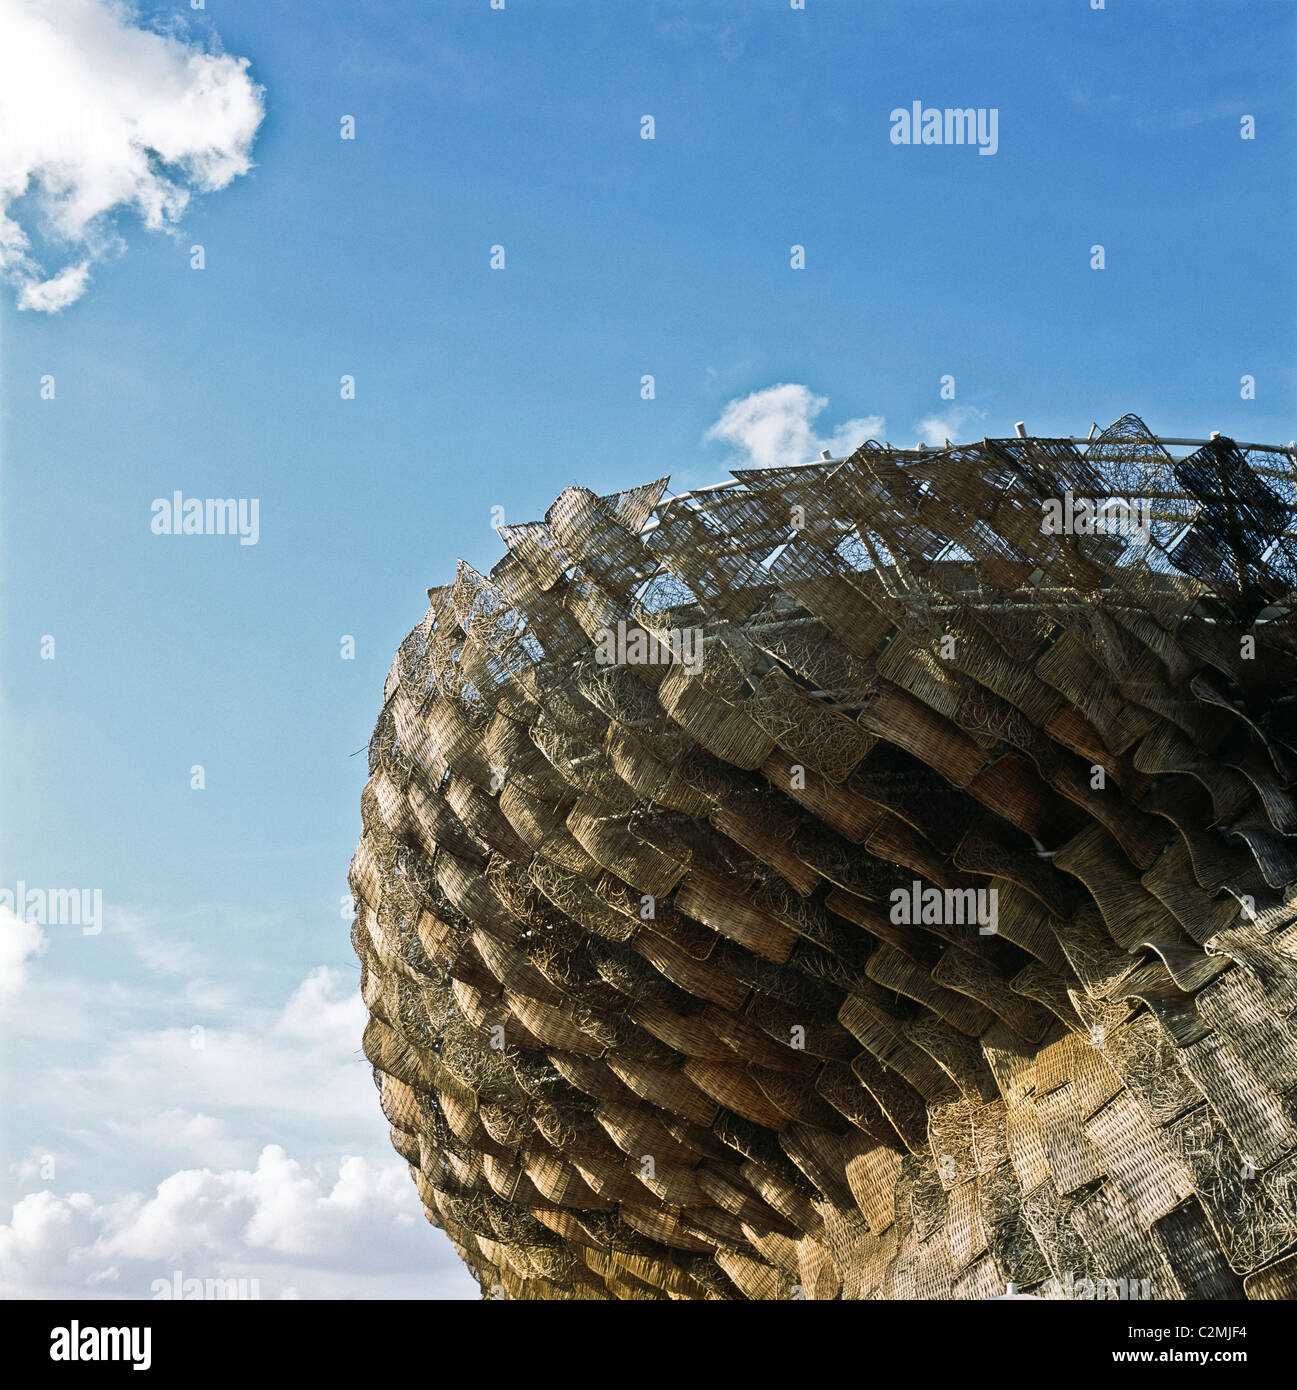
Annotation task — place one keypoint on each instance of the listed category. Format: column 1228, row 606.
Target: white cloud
column 131, row 1080
column 305, row 1058
column 44, row 1232
column 151, row 1094
column 325, row 1008
column 773, row 427
column 848, row 437
column 164, row 944
column 200, row 1136
column 298, row 1230
column 60, row 290
column 20, row 942
column 212, row 1093
column 953, row 425
column 102, row 116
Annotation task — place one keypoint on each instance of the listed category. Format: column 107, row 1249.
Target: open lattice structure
column 646, row 1018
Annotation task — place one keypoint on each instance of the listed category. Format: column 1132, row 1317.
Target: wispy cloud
column 202, row 1137
column 773, row 427
column 100, row 116
column 724, row 37
column 1159, row 118
column 955, row 425
column 305, row 1057
column 154, row 939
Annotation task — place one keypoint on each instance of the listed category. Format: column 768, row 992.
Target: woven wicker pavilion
column 840, row 883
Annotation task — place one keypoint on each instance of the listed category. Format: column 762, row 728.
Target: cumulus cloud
column 142, row 1080
column 198, row 1103
column 954, row 425
column 102, row 116
column 848, row 437
column 20, row 942
column 326, row 1009
column 773, row 427
column 299, row 1231
column 60, row 290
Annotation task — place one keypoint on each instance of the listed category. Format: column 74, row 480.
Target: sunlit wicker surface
column 642, row 1019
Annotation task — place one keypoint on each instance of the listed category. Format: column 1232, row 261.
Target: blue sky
column 477, row 389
